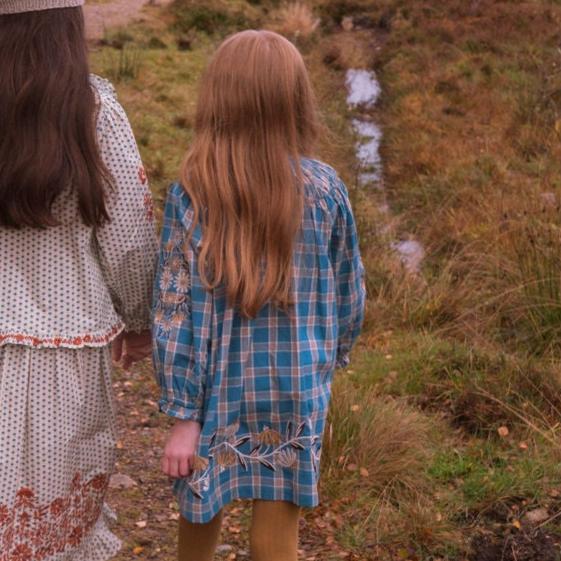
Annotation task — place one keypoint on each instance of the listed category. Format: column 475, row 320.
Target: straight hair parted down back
column 47, row 117
column 256, row 117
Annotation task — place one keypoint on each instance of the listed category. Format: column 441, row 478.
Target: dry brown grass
column 295, row 20
column 384, row 441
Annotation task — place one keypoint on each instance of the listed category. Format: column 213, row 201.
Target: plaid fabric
column 259, row 387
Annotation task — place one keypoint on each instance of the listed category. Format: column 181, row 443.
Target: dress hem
column 102, row 544
column 62, row 341
column 255, row 494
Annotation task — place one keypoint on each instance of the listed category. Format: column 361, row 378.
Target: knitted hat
column 18, row 6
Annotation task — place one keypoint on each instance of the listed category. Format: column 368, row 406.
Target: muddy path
column 116, row 13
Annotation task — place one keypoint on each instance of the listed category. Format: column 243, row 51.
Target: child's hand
column 130, row 347
column 181, row 448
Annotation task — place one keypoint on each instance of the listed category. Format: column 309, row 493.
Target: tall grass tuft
column 125, row 63
column 384, row 440
column 296, row 21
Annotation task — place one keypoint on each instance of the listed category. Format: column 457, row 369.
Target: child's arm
column 349, row 275
column 177, row 358
column 178, row 372
column 127, row 244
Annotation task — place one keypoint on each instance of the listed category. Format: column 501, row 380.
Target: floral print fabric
column 76, row 286
column 67, row 292
column 57, row 450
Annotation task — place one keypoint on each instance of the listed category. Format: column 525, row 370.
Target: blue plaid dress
column 260, row 387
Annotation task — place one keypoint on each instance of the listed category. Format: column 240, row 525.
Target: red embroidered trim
column 149, row 207
column 142, row 175
column 33, row 531
column 78, row 341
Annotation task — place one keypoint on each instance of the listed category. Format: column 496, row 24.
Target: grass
column 446, row 426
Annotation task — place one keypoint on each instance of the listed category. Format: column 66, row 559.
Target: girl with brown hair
column 259, row 297
column 77, row 257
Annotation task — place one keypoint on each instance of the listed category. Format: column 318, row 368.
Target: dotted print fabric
column 73, row 286
column 67, row 291
column 57, row 441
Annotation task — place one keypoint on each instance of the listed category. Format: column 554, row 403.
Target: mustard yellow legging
column 273, row 535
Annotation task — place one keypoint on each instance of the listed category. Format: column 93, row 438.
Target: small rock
column 121, row 481
column 503, row 431
column 347, row 23
column 536, row 516
column 549, row 199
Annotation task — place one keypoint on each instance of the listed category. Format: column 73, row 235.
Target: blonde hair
column 256, row 116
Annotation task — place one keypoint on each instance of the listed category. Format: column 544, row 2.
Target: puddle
column 363, row 93
column 364, row 88
column 368, row 152
column 412, row 254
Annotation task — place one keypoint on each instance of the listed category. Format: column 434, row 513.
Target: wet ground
column 363, row 93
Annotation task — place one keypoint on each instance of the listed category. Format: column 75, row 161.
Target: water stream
column 363, row 93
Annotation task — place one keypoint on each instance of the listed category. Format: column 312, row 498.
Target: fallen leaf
column 536, row 516
column 355, row 407
column 121, row 481
column 138, row 550
column 503, row 431
column 523, row 446
column 516, row 524
column 364, row 472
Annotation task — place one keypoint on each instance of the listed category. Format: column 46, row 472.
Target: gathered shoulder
column 111, row 116
column 323, row 184
column 180, row 209
column 178, row 197
column 103, row 87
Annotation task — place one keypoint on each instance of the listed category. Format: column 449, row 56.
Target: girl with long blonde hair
column 259, row 298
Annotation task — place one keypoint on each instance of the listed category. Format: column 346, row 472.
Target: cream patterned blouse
column 76, row 286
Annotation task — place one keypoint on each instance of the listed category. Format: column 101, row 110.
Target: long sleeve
column 349, row 276
column 178, row 362
column 127, row 244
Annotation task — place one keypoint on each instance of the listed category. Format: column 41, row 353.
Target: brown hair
column 256, row 116
column 48, row 112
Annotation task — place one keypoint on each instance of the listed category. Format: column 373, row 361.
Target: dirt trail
column 116, row 13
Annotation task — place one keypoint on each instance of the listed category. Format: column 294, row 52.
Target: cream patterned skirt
column 57, row 451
